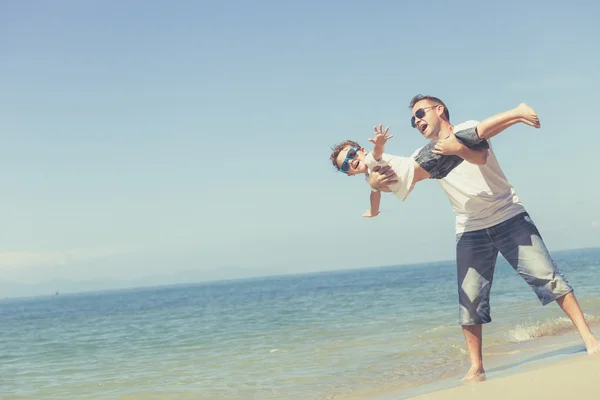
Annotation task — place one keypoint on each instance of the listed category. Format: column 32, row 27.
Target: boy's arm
column 379, row 141
column 378, row 149
column 375, row 200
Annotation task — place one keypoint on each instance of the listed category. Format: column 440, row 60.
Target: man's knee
column 474, row 311
column 469, row 316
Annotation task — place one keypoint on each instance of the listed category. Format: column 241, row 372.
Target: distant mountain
column 60, row 285
column 76, row 284
column 51, row 287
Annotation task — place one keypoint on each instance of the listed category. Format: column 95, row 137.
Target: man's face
column 427, row 118
column 356, row 164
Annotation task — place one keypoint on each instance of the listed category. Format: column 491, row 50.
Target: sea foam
column 538, row 329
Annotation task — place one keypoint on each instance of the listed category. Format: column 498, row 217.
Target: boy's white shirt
column 404, row 167
column 481, row 195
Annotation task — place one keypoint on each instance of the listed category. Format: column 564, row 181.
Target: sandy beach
column 575, row 377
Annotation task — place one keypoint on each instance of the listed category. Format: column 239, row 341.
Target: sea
column 369, row 333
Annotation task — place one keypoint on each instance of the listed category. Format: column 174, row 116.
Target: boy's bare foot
column 474, row 375
column 528, row 115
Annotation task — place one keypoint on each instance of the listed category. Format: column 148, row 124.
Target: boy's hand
column 380, row 136
column 368, row 214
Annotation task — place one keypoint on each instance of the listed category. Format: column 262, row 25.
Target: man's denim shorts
column 521, row 244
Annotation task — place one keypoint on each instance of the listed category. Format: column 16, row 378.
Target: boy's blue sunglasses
column 351, row 155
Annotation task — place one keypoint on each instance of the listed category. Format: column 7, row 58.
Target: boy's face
column 356, row 163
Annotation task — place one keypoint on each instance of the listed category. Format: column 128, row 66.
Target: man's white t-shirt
column 404, row 167
column 480, row 195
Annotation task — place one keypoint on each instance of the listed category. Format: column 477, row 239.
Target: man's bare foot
column 592, row 346
column 474, row 375
column 528, row 115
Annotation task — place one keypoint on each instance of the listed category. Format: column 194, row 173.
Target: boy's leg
column 520, row 242
column 492, row 126
column 475, row 263
column 475, row 137
column 436, row 165
column 470, row 138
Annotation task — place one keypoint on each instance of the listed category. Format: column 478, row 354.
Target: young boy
column 349, row 157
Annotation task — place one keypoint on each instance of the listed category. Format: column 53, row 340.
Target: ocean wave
column 439, row 328
column 538, row 329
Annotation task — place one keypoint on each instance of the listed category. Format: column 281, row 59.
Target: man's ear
column 439, row 109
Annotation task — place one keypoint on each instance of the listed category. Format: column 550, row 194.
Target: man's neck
column 446, row 130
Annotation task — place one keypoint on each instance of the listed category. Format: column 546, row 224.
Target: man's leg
column 474, row 340
column 520, row 242
column 570, row 306
column 475, row 262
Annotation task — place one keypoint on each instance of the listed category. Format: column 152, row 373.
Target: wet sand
column 576, row 377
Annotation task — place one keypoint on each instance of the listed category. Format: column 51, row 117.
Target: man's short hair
column 336, row 151
column 434, row 100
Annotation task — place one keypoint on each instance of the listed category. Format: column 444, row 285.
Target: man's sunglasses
column 420, row 113
column 351, row 155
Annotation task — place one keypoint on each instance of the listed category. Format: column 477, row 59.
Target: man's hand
column 382, row 177
column 448, row 147
column 451, row 146
column 381, row 137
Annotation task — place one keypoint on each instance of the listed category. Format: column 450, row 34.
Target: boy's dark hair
column 434, row 100
column 336, row 151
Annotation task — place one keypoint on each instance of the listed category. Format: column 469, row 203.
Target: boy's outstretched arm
column 381, row 137
column 375, row 200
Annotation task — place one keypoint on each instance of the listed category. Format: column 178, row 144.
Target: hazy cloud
column 551, row 82
column 17, row 259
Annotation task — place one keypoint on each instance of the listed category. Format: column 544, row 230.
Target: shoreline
column 574, row 376
column 552, row 367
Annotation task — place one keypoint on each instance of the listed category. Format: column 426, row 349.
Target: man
column 489, row 219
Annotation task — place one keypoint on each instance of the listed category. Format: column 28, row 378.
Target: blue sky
column 145, row 138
